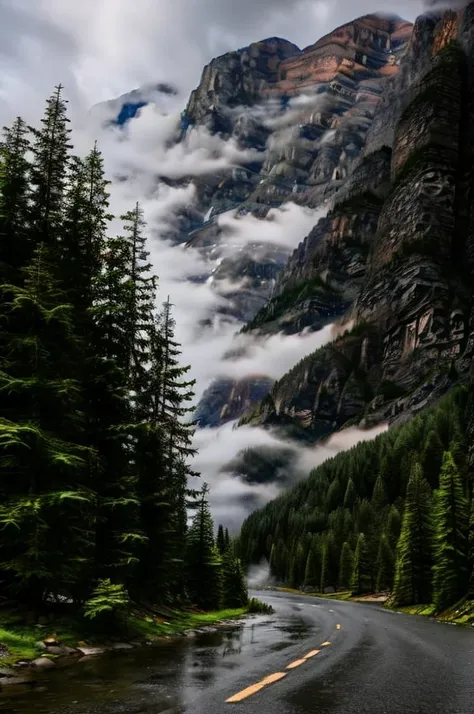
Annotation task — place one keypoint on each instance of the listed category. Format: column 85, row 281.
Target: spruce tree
column 49, row 171
column 45, row 513
column 221, row 543
column 414, row 549
column 312, row 574
column 346, row 567
column 203, row 561
column 15, row 236
column 450, row 554
column 350, row 495
column 361, row 580
column 385, row 565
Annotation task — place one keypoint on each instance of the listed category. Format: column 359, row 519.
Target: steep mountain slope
column 307, row 112
column 412, row 336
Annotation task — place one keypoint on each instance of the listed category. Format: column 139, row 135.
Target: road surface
column 313, row 656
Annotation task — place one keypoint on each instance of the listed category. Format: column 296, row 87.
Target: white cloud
column 273, row 356
column 285, row 226
column 100, row 49
column 231, row 498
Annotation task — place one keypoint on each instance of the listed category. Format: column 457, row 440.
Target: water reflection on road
column 161, row 679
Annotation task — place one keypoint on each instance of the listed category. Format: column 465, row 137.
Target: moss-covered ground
column 22, row 641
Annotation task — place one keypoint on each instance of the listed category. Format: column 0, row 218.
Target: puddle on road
column 159, row 679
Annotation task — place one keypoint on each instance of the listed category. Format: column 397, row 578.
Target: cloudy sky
column 102, row 48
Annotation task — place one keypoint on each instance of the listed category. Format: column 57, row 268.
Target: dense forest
column 393, row 514
column 95, row 424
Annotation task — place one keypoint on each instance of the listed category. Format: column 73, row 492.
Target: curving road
column 313, row 656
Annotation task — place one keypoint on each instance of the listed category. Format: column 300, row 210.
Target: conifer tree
column 350, row 495
column 221, row 542
column 414, row 550
column 385, row 565
column 346, row 567
column 203, row 560
column 312, row 574
column 393, row 527
column 50, row 147
column 45, row 512
column 15, row 237
column 450, row 554
column 361, row 572
column 234, row 588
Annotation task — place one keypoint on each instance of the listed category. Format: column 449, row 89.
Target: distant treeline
column 394, row 514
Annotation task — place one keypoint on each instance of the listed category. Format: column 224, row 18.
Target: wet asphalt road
column 377, row 662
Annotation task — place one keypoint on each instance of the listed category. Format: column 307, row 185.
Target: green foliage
column 346, row 567
column 451, row 548
column 95, row 429
column 257, row 607
column 108, row 602
column 414, row 549
column 385, row 565
column 361, row 571
column 308, row 532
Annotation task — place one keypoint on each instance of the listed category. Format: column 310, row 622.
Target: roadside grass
column 22, row 641
column 462, row 613
column 343, row 595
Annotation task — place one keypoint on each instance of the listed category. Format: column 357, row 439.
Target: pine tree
column 203, row 560
column 234, row 588
column 312, row 574
column 393, row 527
column 432, row 458
column 51, row 157
column 15, row 238
column 45, row 514
column 450, row 555
column 361, row 572
column 414, row 549
column 346, row 567
column 379, row 499
column 221, row 543
column 385, row 565
column 350, row 495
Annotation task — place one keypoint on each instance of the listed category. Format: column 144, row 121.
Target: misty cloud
column 232, row 498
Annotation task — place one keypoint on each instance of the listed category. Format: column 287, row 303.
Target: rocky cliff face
column 306, row 113
column 413, row 334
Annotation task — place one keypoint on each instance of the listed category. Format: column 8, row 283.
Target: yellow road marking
column 296, row 663
column 313, row 653
column 256, row 687
column 325, row 644
column 338, row 627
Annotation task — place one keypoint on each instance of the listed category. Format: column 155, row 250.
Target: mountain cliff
column 371, row 128
column 412, row 315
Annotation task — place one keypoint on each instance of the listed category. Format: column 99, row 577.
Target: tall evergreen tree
column 450, row 555
column 15, row 236
column 346, row 567
column 203, row 560
column 49, row 170
column 44, row 511
column 385, row 565
column 361, row 573
column 414, row 550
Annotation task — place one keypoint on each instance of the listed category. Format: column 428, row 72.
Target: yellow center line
column 313, row 653
column 256, row 687
column 296, row 663
column 325, row 644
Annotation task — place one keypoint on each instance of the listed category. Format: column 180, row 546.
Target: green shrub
column 109, row 602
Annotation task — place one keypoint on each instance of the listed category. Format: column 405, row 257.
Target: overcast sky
column 102, row 48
